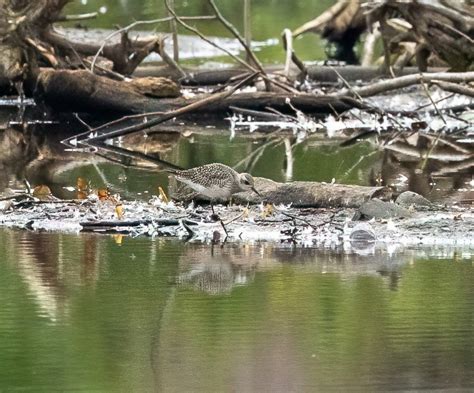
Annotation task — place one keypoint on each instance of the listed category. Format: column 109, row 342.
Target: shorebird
column 218, row 182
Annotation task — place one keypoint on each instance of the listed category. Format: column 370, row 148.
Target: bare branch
column 407, row 80
column 229, row 26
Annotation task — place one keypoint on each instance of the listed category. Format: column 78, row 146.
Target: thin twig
column 287, row 38
column 432, row 102
column 234, row 219
column 69, row 18
column 258, row 66
column 9, row 198
column 171, row 114
column 237, row 35
column 346, row 83
column 437, row 101
column 256, row 152
column 361, row 158
column 135, row 155
column 180, row 20
column 171, row 61
column 161, row 117
column 174, row 35
column 248, row 24
column 428, row 153
column 288, row 45
column 313, row 226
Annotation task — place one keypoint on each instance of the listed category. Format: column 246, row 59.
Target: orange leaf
column 42, row 192
column 103, row 194
column 82, row 184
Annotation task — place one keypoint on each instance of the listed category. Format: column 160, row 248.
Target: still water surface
column 103, row 314
column 269, row 18
column 115, row 314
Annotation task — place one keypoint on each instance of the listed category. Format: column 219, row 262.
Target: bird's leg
column 214, row 216
column 217, row 218
column 225, row 230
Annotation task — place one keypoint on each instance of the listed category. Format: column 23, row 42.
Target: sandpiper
column 218, row 182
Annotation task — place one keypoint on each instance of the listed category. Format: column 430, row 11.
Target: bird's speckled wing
column 209, row 175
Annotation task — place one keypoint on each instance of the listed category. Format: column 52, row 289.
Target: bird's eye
column 246, row 182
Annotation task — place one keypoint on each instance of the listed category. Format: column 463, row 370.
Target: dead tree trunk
column 444, row 28
column 28, row 40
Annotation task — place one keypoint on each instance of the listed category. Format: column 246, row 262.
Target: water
column 104, row 314
column 269, row 18
column 315, row 159
column 114, row 314
column 312, row 161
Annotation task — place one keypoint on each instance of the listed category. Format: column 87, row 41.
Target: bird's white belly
column 213, row 192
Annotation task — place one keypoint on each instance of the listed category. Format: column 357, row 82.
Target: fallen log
column 404, row 81
column 307, row 103
column 323, row 74
column 298, row 194
column 79, row 90
column 83, row 91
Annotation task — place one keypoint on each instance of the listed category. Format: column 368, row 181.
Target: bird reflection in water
column 216, row 270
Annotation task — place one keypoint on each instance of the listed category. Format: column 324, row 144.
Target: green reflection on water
column 269, row 18
column 85, row 313
column 314, row 160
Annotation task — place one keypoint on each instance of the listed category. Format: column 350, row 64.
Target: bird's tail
column 173, row 170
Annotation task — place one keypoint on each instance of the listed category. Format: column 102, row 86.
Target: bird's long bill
column 255, row 191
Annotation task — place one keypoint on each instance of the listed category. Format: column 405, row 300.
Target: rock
column 5, row 205
column 409, row 199
column 376, row 208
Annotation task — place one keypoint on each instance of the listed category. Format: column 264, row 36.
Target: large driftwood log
column 323, row 74
column 298, row 193
column 308, row 103
column 83, row 91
